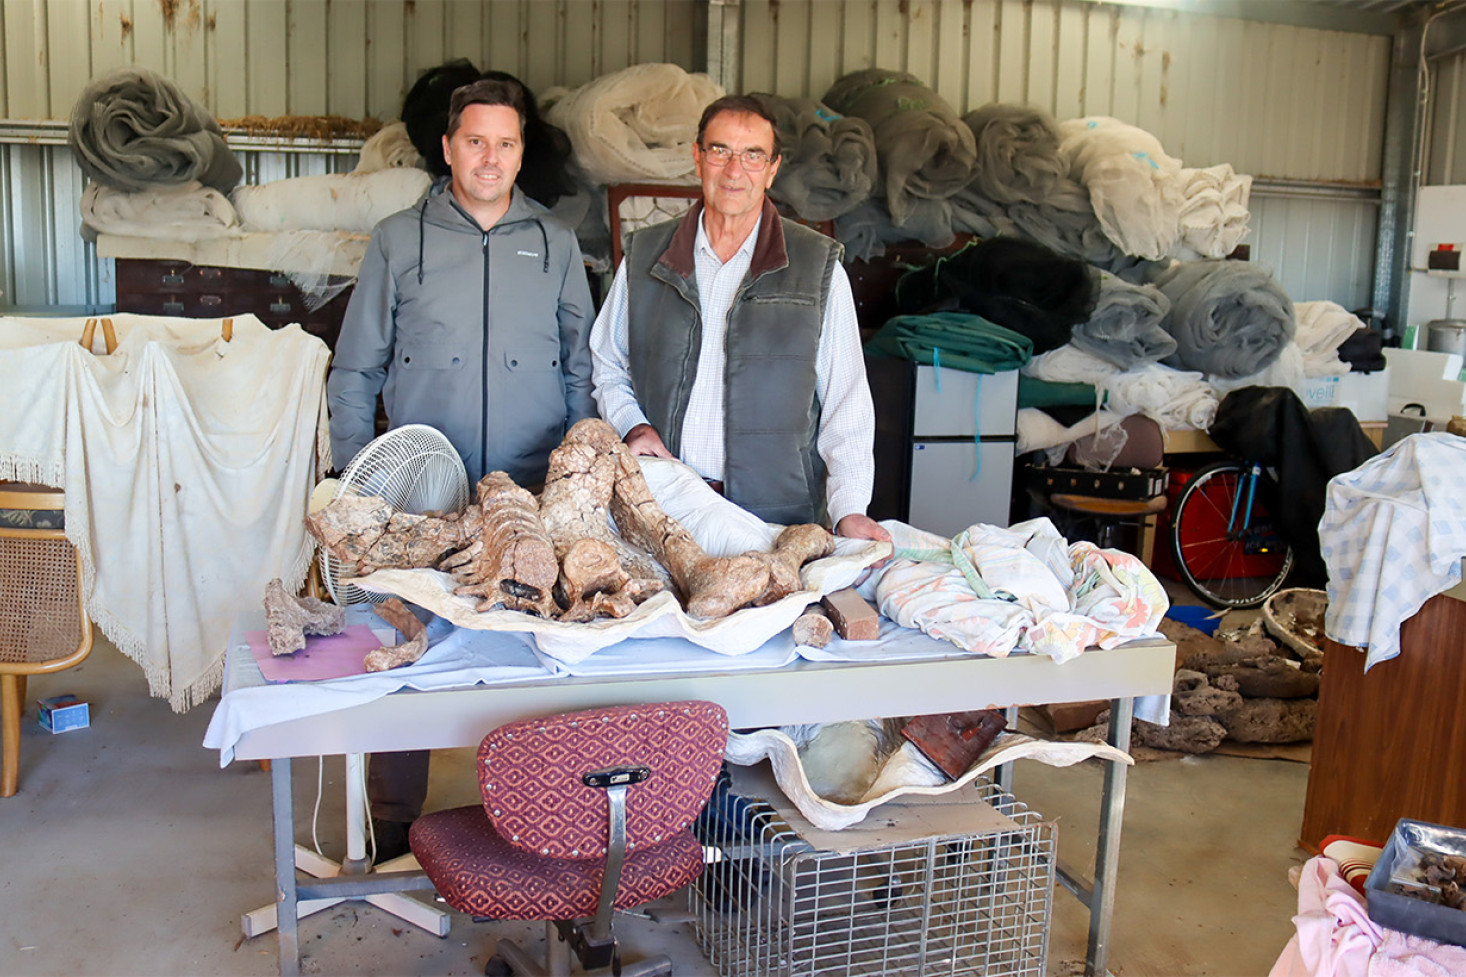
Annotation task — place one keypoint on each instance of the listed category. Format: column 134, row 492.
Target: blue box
column 61, row 713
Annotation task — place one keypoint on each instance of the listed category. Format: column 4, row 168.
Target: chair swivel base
column 510, row 959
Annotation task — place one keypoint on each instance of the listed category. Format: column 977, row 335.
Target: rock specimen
column 1193, row 695
column 855, row 619
column 813, row 628
column 397, row 614
column 1188, row 734
column 1271, row 720
column 513, row 565
column 290, row 619
column 1269, row 678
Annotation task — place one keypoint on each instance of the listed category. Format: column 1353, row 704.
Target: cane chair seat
column 43, row 623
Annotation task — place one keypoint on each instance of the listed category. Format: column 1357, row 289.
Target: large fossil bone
column 709, row 586
column 397, row 614
column 514, row 566
column 600, row 573
column 365, row 533
column 291, row 618
column 794, row 547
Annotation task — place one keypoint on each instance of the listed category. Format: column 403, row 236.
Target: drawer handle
column 279, row 306
column 211, row 273
column 278, row 280
column 173, row 308
column 172, row 278
column 211, row 301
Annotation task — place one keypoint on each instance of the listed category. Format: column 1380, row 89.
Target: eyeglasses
column 753, row 160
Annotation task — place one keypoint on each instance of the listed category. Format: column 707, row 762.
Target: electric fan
column 414, row 469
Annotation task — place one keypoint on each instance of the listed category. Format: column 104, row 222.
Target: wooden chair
column 43, row 622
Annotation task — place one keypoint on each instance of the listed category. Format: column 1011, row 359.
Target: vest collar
column 769, row 252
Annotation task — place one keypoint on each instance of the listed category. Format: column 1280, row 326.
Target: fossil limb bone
column 397, row 614
column 794, row 547
column 709, row 586
column 516, row 567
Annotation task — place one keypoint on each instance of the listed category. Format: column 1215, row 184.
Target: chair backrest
column 43, row 623
column 530, row 774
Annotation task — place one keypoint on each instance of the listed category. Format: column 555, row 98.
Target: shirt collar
column 701, row 244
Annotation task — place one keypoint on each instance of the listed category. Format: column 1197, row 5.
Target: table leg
column 285, row 895
column 1107, row 853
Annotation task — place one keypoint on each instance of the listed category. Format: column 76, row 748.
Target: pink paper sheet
column 323, row 657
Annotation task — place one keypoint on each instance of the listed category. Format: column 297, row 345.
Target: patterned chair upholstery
column 582, row 813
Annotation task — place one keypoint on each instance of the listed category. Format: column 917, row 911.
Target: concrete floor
column 128, row 851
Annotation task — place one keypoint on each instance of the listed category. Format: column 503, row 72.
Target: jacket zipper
column 484, row 371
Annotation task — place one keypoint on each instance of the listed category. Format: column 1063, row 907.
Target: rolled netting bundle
column 352, row 202
column 925, row 151
column 544, row 172
column 1126, row 325
column 133, row 129
column 1229, row 318
column 1213, row 215
column 1322, row 328
column 390, row 148
column 186, row 212
column 1133, row 185
column 867, row 229
column 1015, row 283
column 1018, row 156
column 829, row 160
column 634, row 125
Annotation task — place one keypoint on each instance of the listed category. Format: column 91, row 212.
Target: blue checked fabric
column 1393, row 536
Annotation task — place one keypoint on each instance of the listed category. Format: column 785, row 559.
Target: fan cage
column 414, row 469
column 771, row 904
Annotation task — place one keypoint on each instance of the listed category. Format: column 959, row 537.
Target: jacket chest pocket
column 428, row 355
column 540, row 358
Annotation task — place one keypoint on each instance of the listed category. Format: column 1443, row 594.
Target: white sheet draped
column 187, row 462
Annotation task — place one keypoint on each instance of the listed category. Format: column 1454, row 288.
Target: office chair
column 43, row 622
column 583, row 813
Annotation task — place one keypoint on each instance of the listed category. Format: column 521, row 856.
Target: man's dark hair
column 486, row 91
column 743, row 105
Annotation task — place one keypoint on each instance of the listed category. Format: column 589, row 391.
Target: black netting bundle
column 543, row 174
column 1009, row 281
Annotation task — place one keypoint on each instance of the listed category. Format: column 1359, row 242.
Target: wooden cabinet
column 178, row 288
column 1391, row 743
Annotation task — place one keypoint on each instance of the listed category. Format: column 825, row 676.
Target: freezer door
column 953, row 403
column 957, row 483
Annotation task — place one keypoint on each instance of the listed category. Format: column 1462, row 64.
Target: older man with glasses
column 729, row 341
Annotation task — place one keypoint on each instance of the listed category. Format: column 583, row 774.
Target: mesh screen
column 38, row 600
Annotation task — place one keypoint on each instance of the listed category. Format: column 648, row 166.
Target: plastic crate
column 780, row 899
column 1388, row 907
column 1123, row 483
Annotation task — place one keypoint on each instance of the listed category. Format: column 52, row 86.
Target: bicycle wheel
column 1237, row 567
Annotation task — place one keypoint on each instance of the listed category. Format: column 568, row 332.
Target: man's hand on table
column 858, row 526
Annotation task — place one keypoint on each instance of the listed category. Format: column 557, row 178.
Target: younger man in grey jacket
column 471, row 314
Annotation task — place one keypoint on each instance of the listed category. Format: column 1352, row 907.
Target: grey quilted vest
column 771, row 407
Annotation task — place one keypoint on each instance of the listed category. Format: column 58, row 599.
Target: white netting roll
column 634, row 125
column 1133, row 185
column 352, row 202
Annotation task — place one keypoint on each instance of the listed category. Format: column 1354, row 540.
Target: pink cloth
column 1336, row 937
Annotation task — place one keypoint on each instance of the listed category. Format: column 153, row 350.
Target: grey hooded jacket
column 480, row 334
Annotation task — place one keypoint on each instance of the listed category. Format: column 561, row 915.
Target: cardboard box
column 1366, row 394
column 61, row 713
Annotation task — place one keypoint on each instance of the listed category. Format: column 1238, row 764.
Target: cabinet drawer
column 946, row 498
column 952, row 403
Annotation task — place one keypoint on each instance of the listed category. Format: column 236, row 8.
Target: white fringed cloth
column 187, row 464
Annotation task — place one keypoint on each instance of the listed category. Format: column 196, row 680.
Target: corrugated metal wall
column 1273, row 100
column 1445, row 159
column 353, row 58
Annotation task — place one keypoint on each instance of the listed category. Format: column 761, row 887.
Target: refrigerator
column 944, row 445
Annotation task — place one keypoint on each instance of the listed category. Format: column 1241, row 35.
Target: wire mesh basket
column 882, row 898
